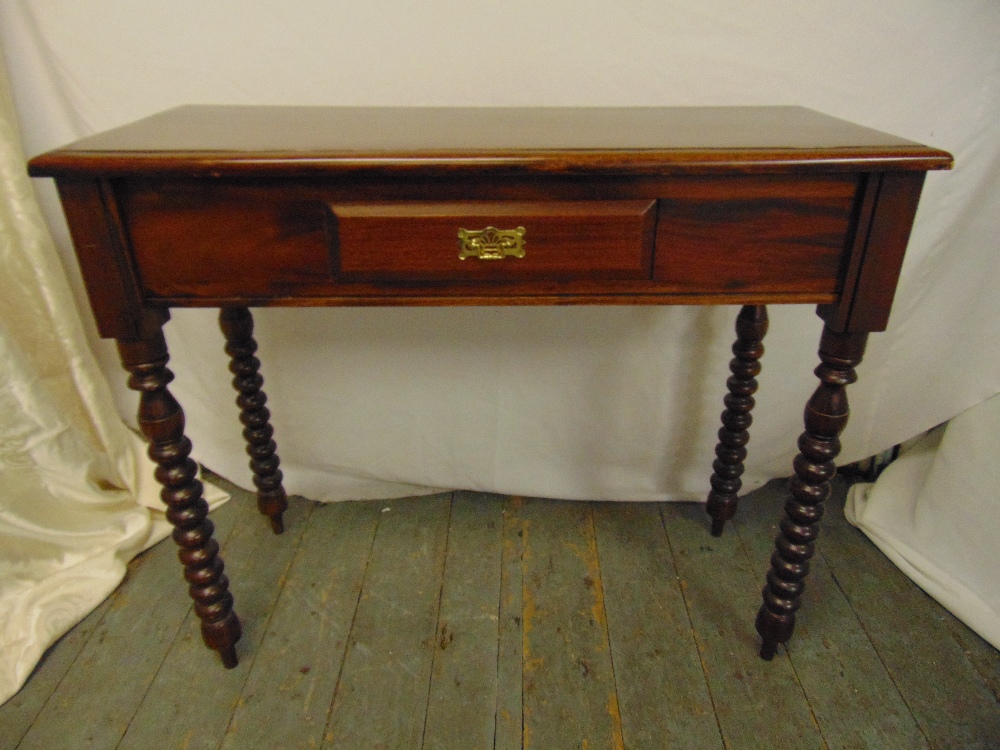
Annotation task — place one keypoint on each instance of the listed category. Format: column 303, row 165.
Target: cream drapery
column 75, row 485
column 933, row 513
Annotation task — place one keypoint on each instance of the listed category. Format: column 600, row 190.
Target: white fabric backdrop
column 934, row 513
column 575, row 403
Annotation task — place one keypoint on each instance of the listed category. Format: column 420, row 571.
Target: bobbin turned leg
column 237, row 325
column 826, row 416
column 162, row 422
column 731, row 451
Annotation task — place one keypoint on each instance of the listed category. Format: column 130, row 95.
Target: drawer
column 717, row 236
column 760, row 233
column 419, row 242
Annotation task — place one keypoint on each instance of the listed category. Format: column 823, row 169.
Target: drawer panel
column 755, row 234
column 474, row 241
column 201, row 239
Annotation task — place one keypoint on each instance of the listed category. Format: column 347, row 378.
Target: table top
column 274, row 140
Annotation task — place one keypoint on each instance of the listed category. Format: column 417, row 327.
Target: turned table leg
column 826, row 416
column 162, row 422
column 731, row 451
column 237, row 325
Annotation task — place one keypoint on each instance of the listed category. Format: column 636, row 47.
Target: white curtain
column 574, row 403
column 934, row 513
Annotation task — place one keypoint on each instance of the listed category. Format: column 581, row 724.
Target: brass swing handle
column 491, row 243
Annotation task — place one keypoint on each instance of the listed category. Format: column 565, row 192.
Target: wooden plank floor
column 473, row 621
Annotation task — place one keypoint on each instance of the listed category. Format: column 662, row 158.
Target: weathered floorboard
column 870, row 650
column 381, row 699
column 189, row 706
column 18, row 713
column 757, row 703
column 286, row 700
column 852, row 697
column 461, row 708
column 510, row 636
column 569, row 699
column 662, row 693
column 980, row 653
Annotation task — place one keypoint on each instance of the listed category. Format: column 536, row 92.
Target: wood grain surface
column 217, row 140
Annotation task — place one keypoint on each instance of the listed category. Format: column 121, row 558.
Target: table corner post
column 161, row 420
column 825, row 417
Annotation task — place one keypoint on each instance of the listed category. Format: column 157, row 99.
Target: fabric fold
column 933, row 512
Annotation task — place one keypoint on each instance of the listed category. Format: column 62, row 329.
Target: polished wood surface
column 826, row 417
column 766, row 234
column 731, row 451
column 161, row 420
column 237, row 326
column 233, row 140
column 235, row 207
column 751, row 206
column 565, row 240
column 781, row 239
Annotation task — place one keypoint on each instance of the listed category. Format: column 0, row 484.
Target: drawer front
column 755, row 233
column 491, row 241
column 780, row 238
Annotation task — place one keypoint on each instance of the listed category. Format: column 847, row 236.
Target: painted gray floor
column 474, row 621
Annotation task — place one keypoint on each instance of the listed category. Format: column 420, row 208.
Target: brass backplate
column 491, row 243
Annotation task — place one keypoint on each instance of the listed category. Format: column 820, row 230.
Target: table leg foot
column 718, row 524
column 751, row 326
column 768, row 649
column 229, row 660
column 826, row 416
column 161, row 420
column 222, row 636
column 237, row 326
column 773, row 629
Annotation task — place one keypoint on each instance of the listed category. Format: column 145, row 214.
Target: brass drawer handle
column 491, row 243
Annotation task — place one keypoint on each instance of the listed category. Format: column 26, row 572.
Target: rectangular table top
column 273, row 140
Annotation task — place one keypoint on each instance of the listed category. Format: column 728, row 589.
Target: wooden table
column 235, row 207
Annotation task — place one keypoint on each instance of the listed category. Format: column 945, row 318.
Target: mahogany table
column 235, row 207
